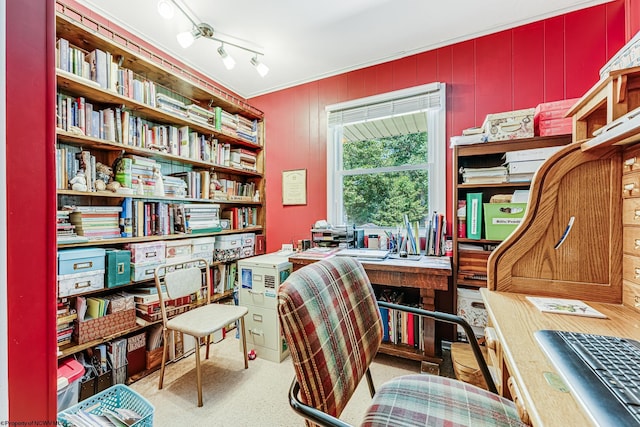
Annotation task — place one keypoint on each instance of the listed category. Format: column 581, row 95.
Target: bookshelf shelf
column 77, row 86
column 88, row 142
column 123, row 240
column 216, row 125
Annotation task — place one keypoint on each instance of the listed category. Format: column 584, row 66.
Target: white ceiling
column 308, row 40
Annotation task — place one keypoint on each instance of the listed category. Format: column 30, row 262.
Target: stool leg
column 198, row 373
column 244, row 343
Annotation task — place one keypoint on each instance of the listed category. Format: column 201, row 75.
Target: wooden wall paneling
column 384, row 77
column 404, row 72
column 494, row 74
column 427, row 67
column 463, row 89
column 528, row 65
column 355, row 84
column 554, row 80
column 585, row 51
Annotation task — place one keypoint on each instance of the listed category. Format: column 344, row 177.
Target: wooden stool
column 465, row 366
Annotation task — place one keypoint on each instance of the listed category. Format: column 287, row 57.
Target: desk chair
column 331, row 322
column 183, row 279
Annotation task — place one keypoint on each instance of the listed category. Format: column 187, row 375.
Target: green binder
column 474, row 215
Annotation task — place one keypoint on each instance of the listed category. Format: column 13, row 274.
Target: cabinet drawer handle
column 636, row 244
column 629, row 163
column 257, row 317
column 637, row 273
column 251, row 291
column 636, row 214
column 629, row 187
column 256, row 332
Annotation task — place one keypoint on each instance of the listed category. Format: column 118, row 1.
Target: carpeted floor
column 235, row 397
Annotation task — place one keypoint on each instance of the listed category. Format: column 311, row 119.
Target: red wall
column 557, row 58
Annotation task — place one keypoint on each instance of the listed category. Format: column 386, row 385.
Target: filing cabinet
column 260, row 278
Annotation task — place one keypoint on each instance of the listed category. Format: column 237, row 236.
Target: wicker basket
column 117, row 396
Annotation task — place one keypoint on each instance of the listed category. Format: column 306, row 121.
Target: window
column 386, row 158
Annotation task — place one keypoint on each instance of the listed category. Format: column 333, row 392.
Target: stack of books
column 200, row 115
column 65, row 231
column 97, row 222
column 523, row 164
column 64, row 322
column 171, row 105
column 491, row 175
column 201, row 218
column 242, row 159
column 247, row 129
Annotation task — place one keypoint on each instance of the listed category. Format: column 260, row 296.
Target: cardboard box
column 502, row 218
column 509, row 125
column 471, row 308
column 104, row 326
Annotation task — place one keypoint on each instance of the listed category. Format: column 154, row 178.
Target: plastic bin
column 70, row 372
column 117, row 396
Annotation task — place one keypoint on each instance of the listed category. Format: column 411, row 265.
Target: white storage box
column 203, row 247
column 79, row 283
column 509, row 125
column 141, row 272
column 227, row 248
column 145, row 253
column 178, row 250
column 471, row 308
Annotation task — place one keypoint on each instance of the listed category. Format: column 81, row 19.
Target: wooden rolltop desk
column 580, row 237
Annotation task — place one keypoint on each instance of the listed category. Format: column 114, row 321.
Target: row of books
column 436, row 235
column 149, row 218
column 241, row 217
column 99, row 66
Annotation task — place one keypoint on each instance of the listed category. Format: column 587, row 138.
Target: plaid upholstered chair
column 331, row 322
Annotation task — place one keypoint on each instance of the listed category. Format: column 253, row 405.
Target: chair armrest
column 451, row 318
column 312, row 414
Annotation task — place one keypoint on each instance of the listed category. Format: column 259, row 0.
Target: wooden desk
column 515, row 320
column 428, row 274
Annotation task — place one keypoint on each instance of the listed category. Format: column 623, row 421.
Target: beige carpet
column 236, row 397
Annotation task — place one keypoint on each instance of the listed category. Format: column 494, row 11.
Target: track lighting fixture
column 200, row 29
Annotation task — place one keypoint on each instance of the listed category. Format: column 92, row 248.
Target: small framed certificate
column 294, row 187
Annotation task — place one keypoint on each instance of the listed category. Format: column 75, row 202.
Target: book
column 565, row 306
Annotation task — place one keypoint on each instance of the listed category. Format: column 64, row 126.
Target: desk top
column 436, row 265
column 515, row 319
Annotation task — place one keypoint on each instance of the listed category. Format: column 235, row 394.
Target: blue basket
column 117, row 396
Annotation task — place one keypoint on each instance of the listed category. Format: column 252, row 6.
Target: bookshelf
column 470, row 256
column 219, row 180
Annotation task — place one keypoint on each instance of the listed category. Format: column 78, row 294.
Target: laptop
column 364, row 254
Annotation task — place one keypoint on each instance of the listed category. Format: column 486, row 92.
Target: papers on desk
column 365, row 254
column 565, row 306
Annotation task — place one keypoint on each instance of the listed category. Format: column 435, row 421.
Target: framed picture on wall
column 294, row 187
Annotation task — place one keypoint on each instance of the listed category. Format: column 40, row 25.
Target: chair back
column 331, row 322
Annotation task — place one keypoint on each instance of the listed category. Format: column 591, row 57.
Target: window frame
column 436, row 140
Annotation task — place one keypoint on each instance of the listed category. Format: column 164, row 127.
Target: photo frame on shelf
column 294, row 187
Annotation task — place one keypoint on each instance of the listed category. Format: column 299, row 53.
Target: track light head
column 262, row 69
column 227, row 60
column 186, row 38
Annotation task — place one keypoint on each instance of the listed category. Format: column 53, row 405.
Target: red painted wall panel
column 553, row 59
column 31, row 206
